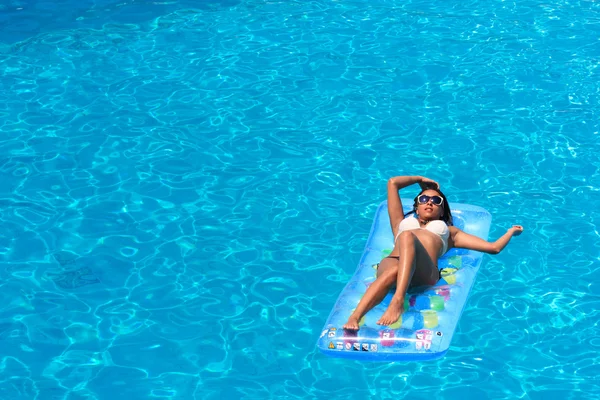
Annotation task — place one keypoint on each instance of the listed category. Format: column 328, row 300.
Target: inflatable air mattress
column 425, row 329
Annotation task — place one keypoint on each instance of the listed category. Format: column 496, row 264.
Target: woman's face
column 430, row 205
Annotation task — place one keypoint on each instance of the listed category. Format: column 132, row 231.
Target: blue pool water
column 187, row 187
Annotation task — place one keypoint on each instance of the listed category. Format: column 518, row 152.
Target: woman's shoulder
column 453, row 230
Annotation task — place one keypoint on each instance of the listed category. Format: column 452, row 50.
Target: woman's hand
column 516, row 230
column 427, row 183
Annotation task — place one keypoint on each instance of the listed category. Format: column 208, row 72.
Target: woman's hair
column 447, row 215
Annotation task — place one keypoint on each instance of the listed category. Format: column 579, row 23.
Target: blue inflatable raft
column 425, row 329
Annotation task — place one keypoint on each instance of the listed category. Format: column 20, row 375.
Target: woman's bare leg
column 413, row 256
column 387, row 274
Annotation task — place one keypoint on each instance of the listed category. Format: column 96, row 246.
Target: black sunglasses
column 424, row 199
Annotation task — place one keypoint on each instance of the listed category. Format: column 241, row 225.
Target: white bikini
column 438, row 227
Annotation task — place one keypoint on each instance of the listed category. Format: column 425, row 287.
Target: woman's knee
column 390, row 273
column 406, row 237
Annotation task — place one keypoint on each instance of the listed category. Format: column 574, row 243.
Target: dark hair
column 447, row 215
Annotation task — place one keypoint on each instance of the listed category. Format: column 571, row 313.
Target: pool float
column 431, row 314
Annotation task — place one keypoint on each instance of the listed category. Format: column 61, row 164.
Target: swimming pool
column 187, row 191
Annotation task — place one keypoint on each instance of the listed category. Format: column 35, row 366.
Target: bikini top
column 438, row 227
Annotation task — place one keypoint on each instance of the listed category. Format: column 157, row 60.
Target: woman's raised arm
column 395, row 210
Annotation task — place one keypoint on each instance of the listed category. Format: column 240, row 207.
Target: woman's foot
column 352, row 324
column 392, row 314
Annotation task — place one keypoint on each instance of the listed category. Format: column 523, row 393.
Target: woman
column 418, row 244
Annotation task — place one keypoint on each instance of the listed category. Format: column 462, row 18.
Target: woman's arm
column 400, row 182
column 463, row 240
column 396, row 183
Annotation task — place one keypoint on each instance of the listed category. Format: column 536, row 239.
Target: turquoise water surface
column 187, row 187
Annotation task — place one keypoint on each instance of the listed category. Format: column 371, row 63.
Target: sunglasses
column 424, row 199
